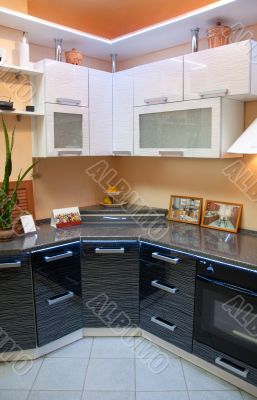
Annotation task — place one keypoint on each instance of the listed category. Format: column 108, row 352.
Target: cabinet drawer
column 173, row 327
column 57, row 289
column 110, row 280
column 17, row 318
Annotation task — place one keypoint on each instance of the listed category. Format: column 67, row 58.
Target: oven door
column 226, row 319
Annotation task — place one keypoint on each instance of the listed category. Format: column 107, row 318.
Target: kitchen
column 164, row 276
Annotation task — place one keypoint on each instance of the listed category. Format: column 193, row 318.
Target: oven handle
column 226, row 285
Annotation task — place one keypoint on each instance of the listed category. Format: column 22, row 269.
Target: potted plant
column 8, row 200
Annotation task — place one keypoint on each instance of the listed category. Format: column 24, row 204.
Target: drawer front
column 171, row 326
column 57, row 289
column 110, row 281
column 227, row 363
column 17, row 317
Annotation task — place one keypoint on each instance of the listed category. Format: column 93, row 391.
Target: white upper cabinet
column 100, row 112
column 196, row 128
column 158, row 82
column 65, row 83
column 230, row 70
column 123, row 113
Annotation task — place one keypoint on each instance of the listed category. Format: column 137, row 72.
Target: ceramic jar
column 74, row 57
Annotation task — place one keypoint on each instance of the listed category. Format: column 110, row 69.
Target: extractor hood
column 247, row 142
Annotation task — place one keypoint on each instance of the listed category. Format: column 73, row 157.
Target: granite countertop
column 240, row 249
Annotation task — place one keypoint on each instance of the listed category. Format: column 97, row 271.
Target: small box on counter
column 65, row 217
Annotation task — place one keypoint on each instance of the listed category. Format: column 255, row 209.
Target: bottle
column 24, row 51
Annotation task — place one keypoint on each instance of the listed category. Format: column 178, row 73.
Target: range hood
column 247, row 142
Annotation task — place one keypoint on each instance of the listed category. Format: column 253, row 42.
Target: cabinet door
column 190, row 129
column 100, row 112
column 221, row 69
column 67, row 130
column 57, row 288
column 123, row 112
column 110, row 284
column 66, row 81
column 158, row 82
column 17, row 317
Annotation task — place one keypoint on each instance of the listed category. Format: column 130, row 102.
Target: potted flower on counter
column 8, row 200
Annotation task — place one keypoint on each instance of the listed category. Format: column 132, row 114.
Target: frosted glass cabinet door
column 67, row 130
column 189, row 129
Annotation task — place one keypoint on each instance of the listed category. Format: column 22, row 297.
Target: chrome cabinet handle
column 67, row 152
column 58, row 256
column 213, row 93
column 170, row 260
column 68, row 102
column 121, row 153
column 222, row 362
column 7, row 265
column 170, row 153
column 121, row 250
column 166, row 325
column 58, row 299
column 157, row 284
column 156, row 100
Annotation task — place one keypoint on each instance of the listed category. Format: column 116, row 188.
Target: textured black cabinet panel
column 17, row 316
column 110, row 284
column 57, row 288
column 175, row 305
column 209, row 354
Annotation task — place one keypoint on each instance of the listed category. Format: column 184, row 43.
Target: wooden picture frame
column 222, row 215
column 185, row 209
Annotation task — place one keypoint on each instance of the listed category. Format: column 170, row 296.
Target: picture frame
column 185, row 209
column 222, row 215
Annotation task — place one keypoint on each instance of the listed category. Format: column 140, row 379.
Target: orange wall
column 17, row 5
column 113, row 17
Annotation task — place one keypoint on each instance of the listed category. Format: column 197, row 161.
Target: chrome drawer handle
column 68, row 102
column 166, row 325
column 213, row 93
column 7, row 265
column 171, row 153
column 121, row 153
column 222, row 362
column 156, row 100
column 168, row 289
column 58, row 299
column 121, row 250
column 58, row 256
column 170, row 260
column 69, row 152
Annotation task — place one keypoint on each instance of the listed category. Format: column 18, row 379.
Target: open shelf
column 18, row 112
column 17, row 69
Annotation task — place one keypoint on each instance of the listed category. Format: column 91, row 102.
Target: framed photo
column 185, row 209
column 222, row 215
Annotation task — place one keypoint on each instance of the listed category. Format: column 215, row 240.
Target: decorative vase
column 195, row 39
column 74, row 57
column 24, row 51
column 218, row 35
column 6, row 234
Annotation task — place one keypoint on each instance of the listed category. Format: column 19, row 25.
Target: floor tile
column 198, row 379
column 170, row 378
column 61, row 374
column 146, row 349
column 78, row 349
column 10, row 379
column 109, row 396
column 13, row 394
column 162, row 396
column 214, row 395
column 54, row 395
column 110, row 375
column 114, row 347
column 247, row 396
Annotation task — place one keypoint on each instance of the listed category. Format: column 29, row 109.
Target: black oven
column 226, row 310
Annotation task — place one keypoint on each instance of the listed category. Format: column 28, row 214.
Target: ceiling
column 111, row 18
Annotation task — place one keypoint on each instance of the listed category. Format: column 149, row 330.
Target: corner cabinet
column 197, row 128
column 230, row 70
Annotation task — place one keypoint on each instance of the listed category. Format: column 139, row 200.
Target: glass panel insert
column 68, row 131
column 176, row 129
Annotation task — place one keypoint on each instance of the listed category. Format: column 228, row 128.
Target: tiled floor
column 112, row 369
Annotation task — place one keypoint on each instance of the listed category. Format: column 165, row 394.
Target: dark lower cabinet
column 110, row 283
column 17, row 317
column 167, row 286
column 57, row 290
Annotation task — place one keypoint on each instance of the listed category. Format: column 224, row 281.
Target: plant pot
column 6, row 234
